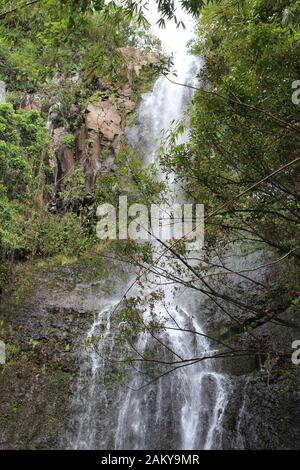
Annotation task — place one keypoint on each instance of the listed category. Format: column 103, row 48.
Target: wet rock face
column 262, row 412
column 36, row 381
column 264, row 396
column 43, row 320
column 264, row 388
column 36, row 397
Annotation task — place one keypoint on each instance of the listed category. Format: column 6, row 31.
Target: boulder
column 103, row 117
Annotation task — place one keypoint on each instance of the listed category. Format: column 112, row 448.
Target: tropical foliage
column 242, row 159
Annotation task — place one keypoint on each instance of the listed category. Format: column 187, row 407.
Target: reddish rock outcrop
column 135, row 59
column 98, row 141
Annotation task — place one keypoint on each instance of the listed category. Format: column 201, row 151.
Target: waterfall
column 183, row 408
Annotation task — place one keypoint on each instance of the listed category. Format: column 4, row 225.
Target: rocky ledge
column 45, row 316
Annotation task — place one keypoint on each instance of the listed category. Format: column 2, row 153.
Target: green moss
column 68, row 140
column 12, row 352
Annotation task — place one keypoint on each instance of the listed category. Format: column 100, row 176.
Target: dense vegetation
column 53, row 53
column 242, row 160
column 58, row 58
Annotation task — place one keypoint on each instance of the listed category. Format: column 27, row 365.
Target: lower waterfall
column 182, row 409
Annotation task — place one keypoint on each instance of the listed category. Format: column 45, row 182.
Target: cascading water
column 183, row 408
